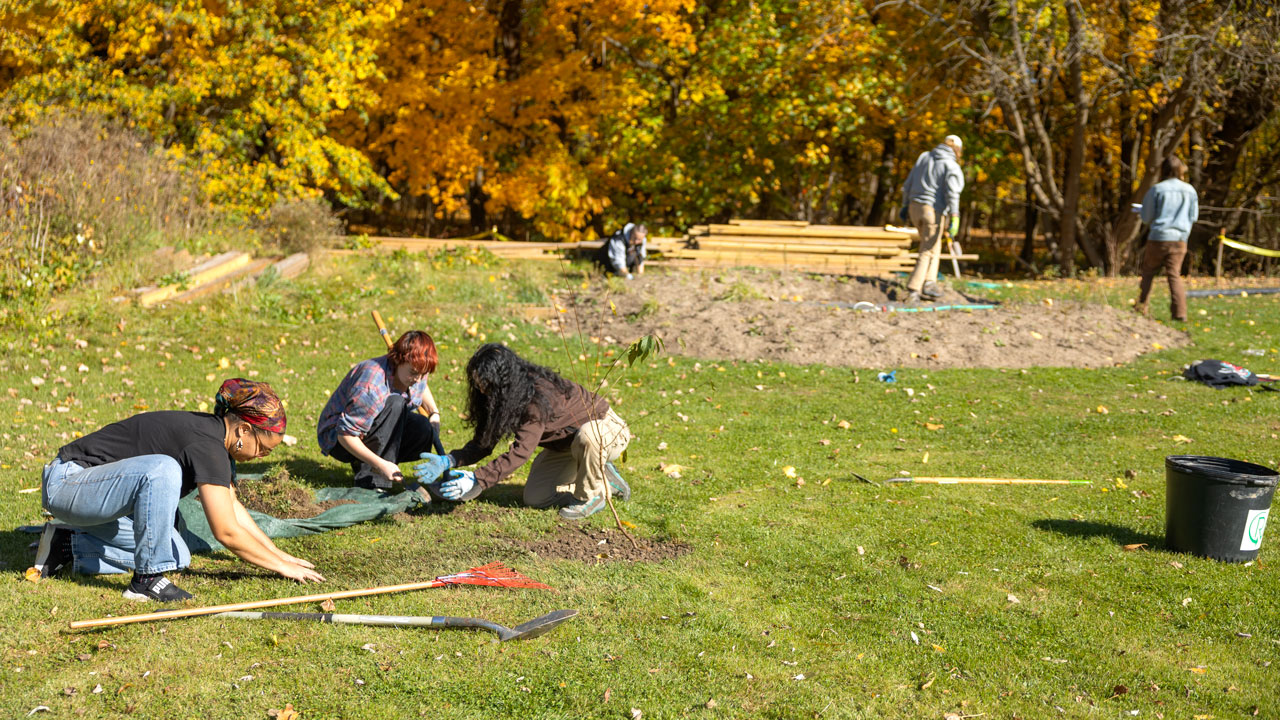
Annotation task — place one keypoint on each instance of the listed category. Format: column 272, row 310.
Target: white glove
column 460, row 483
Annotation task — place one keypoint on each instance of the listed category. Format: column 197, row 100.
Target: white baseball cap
column 954, row 140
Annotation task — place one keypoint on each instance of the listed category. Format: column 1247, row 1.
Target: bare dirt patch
column 594, row 546
column 782, row 316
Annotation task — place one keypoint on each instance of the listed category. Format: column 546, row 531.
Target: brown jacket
column 556, row 432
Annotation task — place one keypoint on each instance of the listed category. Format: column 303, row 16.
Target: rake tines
column 495, row 575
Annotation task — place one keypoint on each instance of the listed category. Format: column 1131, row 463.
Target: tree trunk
column 1031, row 218
column 884, row 176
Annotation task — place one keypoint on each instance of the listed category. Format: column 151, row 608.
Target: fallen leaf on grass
column 1178, row 439
column 32, row 575
column 789, row 471
column 1134, row 546
column 288, row 713
column 1036, row 335
column 670, row 470
column 1102, row 410
column 327, row 605
column 1013, row 598
column 933, row 426
column 636, row 714
column 927, row 683
column 1198, row 670
column 39, row 708
column 915, row 638
column 843, row 425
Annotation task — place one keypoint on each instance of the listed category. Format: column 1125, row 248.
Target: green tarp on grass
column 364, row 505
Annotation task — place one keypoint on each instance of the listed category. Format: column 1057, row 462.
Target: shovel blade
column 538, row 626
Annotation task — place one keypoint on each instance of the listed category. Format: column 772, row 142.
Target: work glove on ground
column 432, row 467
column 953, row 228
column 460, row 483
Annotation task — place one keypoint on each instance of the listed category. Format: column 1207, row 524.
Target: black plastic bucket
column 1215, row 507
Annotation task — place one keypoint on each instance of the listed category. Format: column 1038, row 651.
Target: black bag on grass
column 1218, row 374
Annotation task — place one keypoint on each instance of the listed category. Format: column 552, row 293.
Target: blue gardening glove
column 432, row 467
column 460, row 483
column 953, row 228
column 629, row 276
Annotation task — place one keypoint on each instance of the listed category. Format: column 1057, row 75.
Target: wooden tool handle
column 192, row 612
column 382, row 329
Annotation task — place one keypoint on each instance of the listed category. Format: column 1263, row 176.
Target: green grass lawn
column 830, row 598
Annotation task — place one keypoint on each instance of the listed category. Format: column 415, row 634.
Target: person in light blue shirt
column 931, row 200
column 1169, row 208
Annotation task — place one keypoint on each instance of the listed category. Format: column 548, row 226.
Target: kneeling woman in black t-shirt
column 117, row 491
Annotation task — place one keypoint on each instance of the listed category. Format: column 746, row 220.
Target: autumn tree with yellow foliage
column 243, row 91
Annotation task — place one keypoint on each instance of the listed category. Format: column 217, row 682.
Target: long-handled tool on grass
column 492, row 575
column 413, row 485
column 984, row 481
column 524, row 631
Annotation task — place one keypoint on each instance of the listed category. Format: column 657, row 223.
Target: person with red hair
column 370, row 421
column 114, row 493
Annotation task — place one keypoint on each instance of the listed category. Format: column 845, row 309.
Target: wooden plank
column 224, row 282
column 789, row 259
column 205, row 272
column 819, row 231
column 780, row 223
column 292, row 266
column 789, row 247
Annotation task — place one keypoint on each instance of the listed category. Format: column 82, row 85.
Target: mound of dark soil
column 277, row 494
column 600, row 545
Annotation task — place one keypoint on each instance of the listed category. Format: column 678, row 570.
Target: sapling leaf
column 643, row 348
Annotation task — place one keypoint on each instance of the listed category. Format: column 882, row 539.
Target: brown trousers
column 929, row 226
column 1166, row 256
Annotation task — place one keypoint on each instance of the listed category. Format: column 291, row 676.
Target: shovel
column 531, row 629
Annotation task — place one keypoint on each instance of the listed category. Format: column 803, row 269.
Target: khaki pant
column 929, row 225
column 560, row 477
column 1166, row 256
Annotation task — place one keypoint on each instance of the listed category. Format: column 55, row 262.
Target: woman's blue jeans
column 123, row 513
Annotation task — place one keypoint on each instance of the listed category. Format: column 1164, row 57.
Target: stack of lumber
column 797, row 245
column 515, row 250
column 790, row 244
column 223, row 272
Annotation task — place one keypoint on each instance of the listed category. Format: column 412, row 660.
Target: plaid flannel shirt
column 362, row 394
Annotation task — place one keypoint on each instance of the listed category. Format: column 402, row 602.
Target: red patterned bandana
column 255, row 402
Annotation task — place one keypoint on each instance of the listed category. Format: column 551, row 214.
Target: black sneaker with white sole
column 53, row 554
column 154, row 587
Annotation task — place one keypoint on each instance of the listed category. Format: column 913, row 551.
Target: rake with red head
column 492, row 575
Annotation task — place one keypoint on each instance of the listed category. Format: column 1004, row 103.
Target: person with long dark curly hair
column 580, row 437
column 370, row 421
column 115, row 492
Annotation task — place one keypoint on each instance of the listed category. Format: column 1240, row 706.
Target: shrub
column 300, row 225
column 76, row 193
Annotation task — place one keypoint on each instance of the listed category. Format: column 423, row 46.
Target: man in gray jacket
column 623, row 253
column 1170, row 208
column 931, row 199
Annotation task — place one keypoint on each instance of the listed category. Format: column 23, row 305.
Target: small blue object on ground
column 888, row 377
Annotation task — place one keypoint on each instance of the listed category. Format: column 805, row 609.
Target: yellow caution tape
column 1248, row 248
